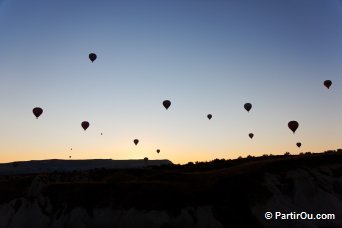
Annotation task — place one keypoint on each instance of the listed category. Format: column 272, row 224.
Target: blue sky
column 205, row 56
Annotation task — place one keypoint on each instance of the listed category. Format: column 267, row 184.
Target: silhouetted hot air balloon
column 37, row 111
column 145, row 159
column 166, row 104
column 158, row 151
column 85, row 125
column 70, row 148
column 327, row 83
column 69, row 156
column 136, row 141
column 209, row 116
column 251, row 135
column 298, row 144
column 248, row 106
column 101, row 134
column 293, row 125
column 92, row 57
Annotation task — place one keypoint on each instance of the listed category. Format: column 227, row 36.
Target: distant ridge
column 57, row 165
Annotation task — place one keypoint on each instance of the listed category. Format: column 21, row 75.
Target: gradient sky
column 205, row 56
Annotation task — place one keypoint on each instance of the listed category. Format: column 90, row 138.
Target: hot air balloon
column 69, row 156
column 92, row 57
column 298, row 144
column 158, row 151
column 37, row 111
column 327, row 83
column 85, row 125
column 145, row 159
column 136, row 141
column 209, row 116
column 166, row 104
column 101, row 134
column 70, row 148
column 293, row 125
column 248, row 106
column 251, row 135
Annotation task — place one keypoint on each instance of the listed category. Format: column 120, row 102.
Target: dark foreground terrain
column 221, row 193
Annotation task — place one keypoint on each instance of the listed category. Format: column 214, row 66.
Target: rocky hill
column 55, row 165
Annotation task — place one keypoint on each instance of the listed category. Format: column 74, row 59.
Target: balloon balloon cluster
column 293, row 125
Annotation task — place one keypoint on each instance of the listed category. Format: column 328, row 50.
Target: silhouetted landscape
column 219, row 193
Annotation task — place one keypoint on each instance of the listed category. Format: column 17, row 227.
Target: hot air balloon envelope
column 293, row 125
column 85, row 125
column 248, row 106
column 327, row 83
column 166, row 104
column 92, row 57
column 37, row 111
